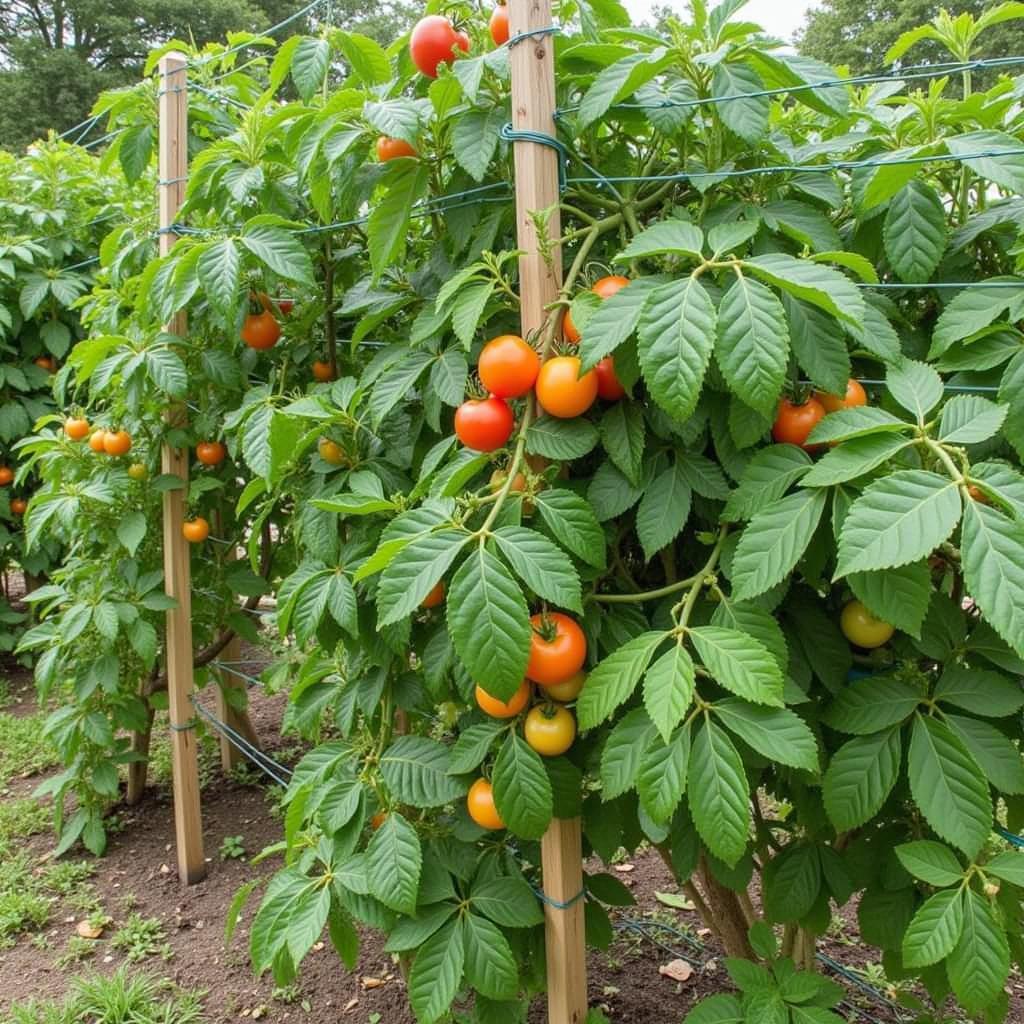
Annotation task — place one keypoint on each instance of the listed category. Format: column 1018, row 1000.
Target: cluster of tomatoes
column 558, row 650
column 794, row 421
column 18, row 505
column 510, row 368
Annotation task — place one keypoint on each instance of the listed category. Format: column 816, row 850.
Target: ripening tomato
column 561, row 391
column 195, row 531
column 322, row 371
column 96, row 441
column 975, row 493
column 6, row 475
column 331, row 452
column 855, row 395
column 558, row 649
column 606, row 287
column 432, row 41
column 498, row 478
column 261, row 330
column 435, row 597
column 567, row 691
column 391, row 149
column 76, row 428
column 508, row 366
column 378, row 819
column 117, row 442
column 503, row 709
column 499, row 25
column 484, row 424
column 860, row 627
column 608, row 385
column 18, row 506
column 45, row 363
column 480, row 804
column 794, row 423
column 211, row 453
column 569, row 331
column 138, row 471
column 285, row 305
column 550, row 730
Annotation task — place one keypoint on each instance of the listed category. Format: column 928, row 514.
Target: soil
column 139, row 873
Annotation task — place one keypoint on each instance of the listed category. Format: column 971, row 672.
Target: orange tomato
column 561, row 391
column 794, row 423
column 117, row 442
column 322, row 371
column 480, row 804
column 6, row 475
column 195, row 531
column 508, row 366
column 45, row 363
column 501, row 709
column 558, row 649
column 261, row 330
column 435, row 597
column 378, row 819
column 855, row 395
column 606, row 287
column 569, row 331
column 499, row 25
column 96, row 439
column 211, row 453
column 331, row 452
column 76, row 428
column 18, row 506
column 390, row 149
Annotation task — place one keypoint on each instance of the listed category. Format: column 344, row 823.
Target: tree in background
column 858, row 33
column 56, row 56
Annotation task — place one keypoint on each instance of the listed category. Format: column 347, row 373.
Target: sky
column 779, row 17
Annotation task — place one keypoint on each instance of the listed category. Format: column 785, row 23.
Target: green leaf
column 475, row 139
column 573, row 524
column 980, row 691
column 1009, row 866
column 522, row 790
column 365, row 56
column 131, row 531
column 219, row 270
column 667, row 237
column 561, row 439
column 541, row 565
column 407, row 580
column 309, row 65
column 620, row 759
column 412, row 932
column 948, row 786
column 1007, row 171
column 676, row 338
column 279, row 249
column 916, row 386
column 742, row 113
column 490, row 966
column 612, row 321
column 618, row 81
column 489, row 623
column 752, row 347
column 854, row 458
column 508, row 901
column 931, row 862
column 819, row 348
column 992, row 549
column 723, row 1008
column 739, row 663
column 755, row 621
column 776, row 733
column 915, row 232
column 970, row 419
column 856, row 422
column 898, row 596
column 860, row 777
column 774, row 541
column 972, row 310
column 416, row 770
column 719, row 796
column 668, row 689
column 663, row 510
column 769, row 474
column 393, row 863
column 388, row 224
column 935, row 929
column 436, row 973
column 899, row 519
column 812, row 282
column 473, row 745
column 872, row 704
column 614, row 679
column 661, row 781
column 792, row 881
column 993, row 750
column 135, row 150
column 623, row 435
column 980, row 963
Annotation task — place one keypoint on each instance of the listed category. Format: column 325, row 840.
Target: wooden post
column 188, row 825
column 536, row 186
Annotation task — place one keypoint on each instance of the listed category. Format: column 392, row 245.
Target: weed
column 23, row 751
column 233, row 848
column 140, row 938
column 22, row 818
column 76, row 949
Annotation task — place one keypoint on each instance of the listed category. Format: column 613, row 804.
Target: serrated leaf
column 472, row 746
column 615, row 678
column 970, row 419
column 739, row 663
column 978, row 690
column 897, row 596
column 860, row 777
column 859, row 421
column 854, row 458
column 611, row 321
column 744, row 111
column 916, row 386
column 416, row 770
column 980, row 963
column 665, row 237
column 393, row 863
column 811, row 282
column 668, row 689
column 407, row 580
column 915, row 232
column 999, row 758
column 776, row 733
column 508, row 901
column 573, row 523
column 623, row 434
column 561, row 439
column 475, row 139
column 719, row 797
column 663, row 510
column 935, row 929
column 661, row 781
column 490, row 966
column 769, row 474
column 872, row 704
column 522, row 790
column 620, row 759
column 931, row 862
column 436, row 973
column 541, row 565
column 819, row 348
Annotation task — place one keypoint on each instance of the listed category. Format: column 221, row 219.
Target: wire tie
column 558, row 904
column 511, row 134
column 172, row 181
column 175, row 88
column 549, row 30
column 191, row 724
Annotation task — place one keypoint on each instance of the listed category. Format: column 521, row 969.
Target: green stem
column 646, row 595
column 686, row 606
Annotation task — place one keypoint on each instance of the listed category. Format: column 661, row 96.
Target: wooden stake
column 188, row 825
column 533, row 108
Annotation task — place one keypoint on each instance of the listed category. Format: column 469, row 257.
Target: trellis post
column 536, row 189
column 188, row 826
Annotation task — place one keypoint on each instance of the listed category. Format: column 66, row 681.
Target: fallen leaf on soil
column 89, row 931
column 624, row 868
column 673, row 899
column 351, row 1005
column 677, row 970
column 372, row 982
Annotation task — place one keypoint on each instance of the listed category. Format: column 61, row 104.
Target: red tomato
column 499, row 25
column 559, row 658
column 793, row 423
column 391, row 149
column 484, row 424
column 322, row 371
column 608, row 385
column 211, row 453
column 855, row 395
column 261, row 330
column 508, row 366
column 18, row 506
column 561, row 391
column 432, row 42
column 285, row 305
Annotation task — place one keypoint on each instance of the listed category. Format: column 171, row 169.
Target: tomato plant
column 679, row 562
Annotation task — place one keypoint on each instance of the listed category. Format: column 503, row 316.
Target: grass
column 28, row 893
column 123, row 998
column 140, row 938
column 22, row 748
column 22, row 818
